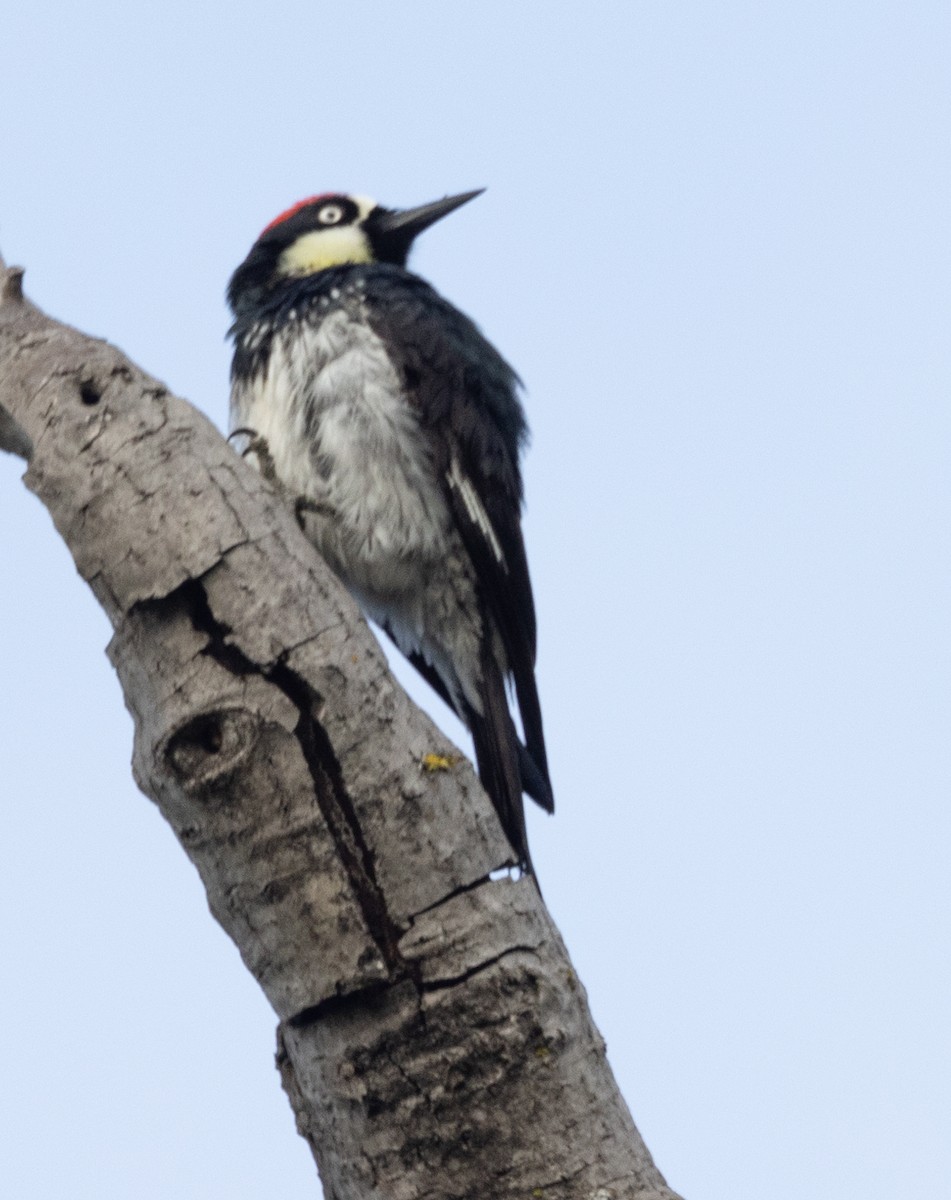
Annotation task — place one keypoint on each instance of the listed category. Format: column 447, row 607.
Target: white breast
column 341, row 434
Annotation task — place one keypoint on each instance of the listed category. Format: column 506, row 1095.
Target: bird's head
column 330, row 231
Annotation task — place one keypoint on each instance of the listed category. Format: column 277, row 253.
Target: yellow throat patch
column 324, row 248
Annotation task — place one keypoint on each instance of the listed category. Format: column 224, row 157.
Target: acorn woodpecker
column 396, row 427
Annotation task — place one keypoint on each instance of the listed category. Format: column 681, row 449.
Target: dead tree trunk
column 433, row 1039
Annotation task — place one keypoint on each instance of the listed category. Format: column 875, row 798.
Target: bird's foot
column 305, row 504
column 302, row 505
column 258, row 446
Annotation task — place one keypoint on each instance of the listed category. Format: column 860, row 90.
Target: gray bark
column 433, row 1038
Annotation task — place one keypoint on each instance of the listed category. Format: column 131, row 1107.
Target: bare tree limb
column 433, row 1039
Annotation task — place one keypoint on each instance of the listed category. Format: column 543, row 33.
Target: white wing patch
column 470, row 498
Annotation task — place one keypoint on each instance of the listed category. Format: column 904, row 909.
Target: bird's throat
column 323, row 248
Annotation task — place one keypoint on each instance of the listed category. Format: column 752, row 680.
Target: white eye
column 330, row 214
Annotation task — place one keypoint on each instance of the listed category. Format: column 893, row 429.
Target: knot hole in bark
column 207, row 749
column 93, row 387
column 89, row 393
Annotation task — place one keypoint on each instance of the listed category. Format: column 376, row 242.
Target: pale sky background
column 716, row 244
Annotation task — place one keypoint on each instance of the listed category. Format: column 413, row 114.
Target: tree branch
column 433, row 1038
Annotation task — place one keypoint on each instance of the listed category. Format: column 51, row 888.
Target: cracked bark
column 433, row 1039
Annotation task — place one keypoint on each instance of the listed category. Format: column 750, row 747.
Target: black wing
column 465, row 394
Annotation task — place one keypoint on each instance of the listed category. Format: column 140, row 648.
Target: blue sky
column 715, row 244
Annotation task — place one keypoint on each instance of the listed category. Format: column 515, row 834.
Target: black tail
column 499, row 758
column 534, row 760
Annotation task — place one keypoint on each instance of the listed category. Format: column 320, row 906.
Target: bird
column 398, row 429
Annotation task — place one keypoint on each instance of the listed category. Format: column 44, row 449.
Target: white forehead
column 364, row 204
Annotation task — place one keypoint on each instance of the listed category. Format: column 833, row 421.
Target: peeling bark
column 433, row 1040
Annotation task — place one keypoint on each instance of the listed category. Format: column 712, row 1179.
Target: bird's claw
column 304, row 505
column 258, row 446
